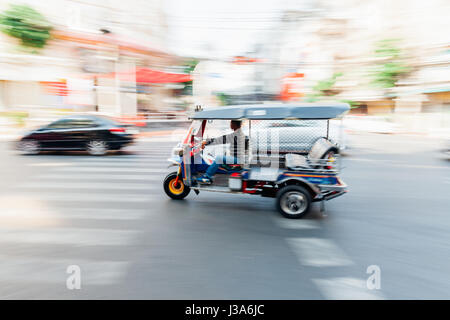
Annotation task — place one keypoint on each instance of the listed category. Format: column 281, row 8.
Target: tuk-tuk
column 291, row 154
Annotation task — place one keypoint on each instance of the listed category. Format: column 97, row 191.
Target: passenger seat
column 320, row 150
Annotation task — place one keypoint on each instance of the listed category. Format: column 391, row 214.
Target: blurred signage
column 244, row 60
column 214, row 75
column 55, row 88
column 292, row 86
column 92, row 62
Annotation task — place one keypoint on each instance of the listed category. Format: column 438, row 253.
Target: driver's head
column 235, row 124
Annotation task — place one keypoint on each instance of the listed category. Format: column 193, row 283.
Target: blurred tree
column 390, row 66
column 190, row 65
column 224, row 99
column 188, row 68
column 324, row 88
column 26, row 24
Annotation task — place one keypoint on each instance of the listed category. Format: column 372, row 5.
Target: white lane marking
column 131, row 154
column 142, row 153
column 417, row 166
column 395, row 163
column 137, row 156
column 161, row 139
column 94, row 177
column 74, row 213
column 49, row 164
column 316, row 252
column 346, row 289
column 297, row 224
column 130, row 163
column 109, row 169
column 72, row 196
column 150, row 151
column 366, row 160
column 106, row 164
column 40, row 270
column 86, row 185
column 128, row 159
column 68, row 236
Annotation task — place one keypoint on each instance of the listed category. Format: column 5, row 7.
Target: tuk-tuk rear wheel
column 293, row 201
column 174, row 187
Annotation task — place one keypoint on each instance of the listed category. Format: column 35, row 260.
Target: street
column 110, row 216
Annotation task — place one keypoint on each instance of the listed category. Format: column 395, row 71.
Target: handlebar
column 195, row 148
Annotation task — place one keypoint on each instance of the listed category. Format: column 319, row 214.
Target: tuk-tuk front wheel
column 175, row 189
column 293, row 201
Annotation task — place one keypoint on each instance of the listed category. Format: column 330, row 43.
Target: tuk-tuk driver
column 236, row 154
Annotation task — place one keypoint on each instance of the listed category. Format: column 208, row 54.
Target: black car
column 95, row 134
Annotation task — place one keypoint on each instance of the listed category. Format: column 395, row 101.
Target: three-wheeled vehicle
column 297, row 168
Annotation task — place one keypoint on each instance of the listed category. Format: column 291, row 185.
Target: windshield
column 194, row 130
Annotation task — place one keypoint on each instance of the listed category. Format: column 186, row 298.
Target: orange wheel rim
column 176, row 189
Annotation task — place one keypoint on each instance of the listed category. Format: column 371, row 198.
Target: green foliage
column 324, row 88
column 26, row 24
column 223, row 98
column 391, row 66
column 188, row 68
column 17, row 116
column 352, row 104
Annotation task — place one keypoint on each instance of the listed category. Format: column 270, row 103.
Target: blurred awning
column 146, row 75
column 105, row 41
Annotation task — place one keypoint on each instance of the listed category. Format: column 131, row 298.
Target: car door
column 52, row 137
column 79, row 133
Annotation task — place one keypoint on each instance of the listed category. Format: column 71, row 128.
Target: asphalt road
column 110, row 217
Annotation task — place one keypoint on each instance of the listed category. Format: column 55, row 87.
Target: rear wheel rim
column 97, row 147
column 294, row 202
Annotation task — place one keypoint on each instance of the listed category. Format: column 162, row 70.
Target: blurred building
column 347, row 32
column 315, row 39
column 91, row 39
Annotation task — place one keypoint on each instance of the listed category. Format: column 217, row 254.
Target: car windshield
column 107, row 120
column 73, row 123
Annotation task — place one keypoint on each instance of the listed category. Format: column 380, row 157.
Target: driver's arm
column 219, row 140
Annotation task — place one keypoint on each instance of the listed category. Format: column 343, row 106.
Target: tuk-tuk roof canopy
column 274, row 111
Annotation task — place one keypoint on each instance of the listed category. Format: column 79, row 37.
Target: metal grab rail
column 314, row 165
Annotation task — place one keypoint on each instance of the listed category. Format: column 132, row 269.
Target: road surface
column 109, row 217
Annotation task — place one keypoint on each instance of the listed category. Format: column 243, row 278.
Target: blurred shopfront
column 72, row 74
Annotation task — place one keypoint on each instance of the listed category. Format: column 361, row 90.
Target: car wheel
column 29, row 147
column 97, row 147
column 174, row 190
column 293, row 202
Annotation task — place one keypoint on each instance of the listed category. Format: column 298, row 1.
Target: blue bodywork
column 311, row 177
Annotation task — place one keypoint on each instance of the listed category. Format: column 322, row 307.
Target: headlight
column 177, row 152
